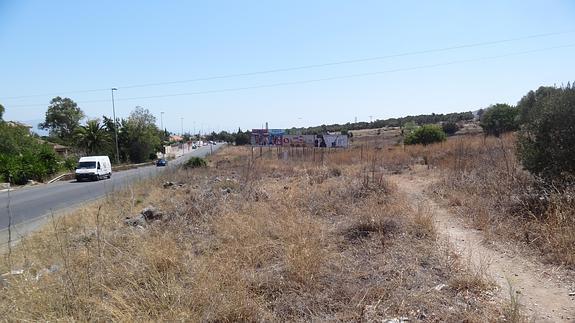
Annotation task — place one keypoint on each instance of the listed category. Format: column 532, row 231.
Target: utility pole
column 162, row 120
column 182, row 120
column 115, row 126
column 370, row 119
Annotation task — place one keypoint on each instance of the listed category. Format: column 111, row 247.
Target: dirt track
column 541, row 295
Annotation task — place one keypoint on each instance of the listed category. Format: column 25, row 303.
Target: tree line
column 544, row 121
column 391, row 122
column 138, row 136
column 26, row 156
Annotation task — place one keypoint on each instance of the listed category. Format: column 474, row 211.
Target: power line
column 339, row 77
column 311, row 66
column 360, row 60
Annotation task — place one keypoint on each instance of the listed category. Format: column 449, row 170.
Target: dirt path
column 541, row 296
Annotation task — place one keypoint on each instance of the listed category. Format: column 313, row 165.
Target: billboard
column 277, row 137
column 266, row 137
column 335, row 141
column 298, row 140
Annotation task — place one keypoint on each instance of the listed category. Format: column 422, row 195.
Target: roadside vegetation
column 25, row 156
column 243, row 239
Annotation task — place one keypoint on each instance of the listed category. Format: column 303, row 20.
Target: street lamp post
column 115, row 126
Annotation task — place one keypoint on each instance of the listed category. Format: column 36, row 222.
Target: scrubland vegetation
column 483, row 179
column 314, row 234
column 243, row 239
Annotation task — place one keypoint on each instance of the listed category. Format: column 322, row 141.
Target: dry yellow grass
column 248, row 240
column 482, row 179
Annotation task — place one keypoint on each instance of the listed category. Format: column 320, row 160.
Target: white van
column 94, row 168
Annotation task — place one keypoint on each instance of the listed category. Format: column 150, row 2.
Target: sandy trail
column 541, row 296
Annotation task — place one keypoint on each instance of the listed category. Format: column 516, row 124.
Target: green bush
column 37, row 164
column 425, row 135
column 546, row 142
column 195, row 162
column 70, row 163
column 450, row 128
column 24, row 157
column 500, row 118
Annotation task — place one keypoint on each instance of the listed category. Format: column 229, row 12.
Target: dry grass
column 248, row 240
column 483, row 180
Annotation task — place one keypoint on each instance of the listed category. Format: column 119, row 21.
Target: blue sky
column 50, row 48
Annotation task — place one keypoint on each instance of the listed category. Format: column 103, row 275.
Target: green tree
column 140, row 137
column 15, row 139
column 530, row 104
column 425, row 135
column 1, row 112
column 546, row 141
column 93, row 137
column 225, row 136
column 23, row 157
column 500, row 118
column 242, row 138
column 480, row 113
column 62, row 119
column 110, row 126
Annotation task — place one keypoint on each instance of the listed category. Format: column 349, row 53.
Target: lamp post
column 115, row 126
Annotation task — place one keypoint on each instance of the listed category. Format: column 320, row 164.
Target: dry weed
column 246, row 240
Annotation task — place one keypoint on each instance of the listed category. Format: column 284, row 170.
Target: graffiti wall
column 277, row 137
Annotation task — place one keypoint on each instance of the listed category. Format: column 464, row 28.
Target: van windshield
column 87, row 164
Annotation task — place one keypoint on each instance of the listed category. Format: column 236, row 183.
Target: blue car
column 161, row 162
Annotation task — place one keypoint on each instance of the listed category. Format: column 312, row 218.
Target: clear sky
column 50, row 48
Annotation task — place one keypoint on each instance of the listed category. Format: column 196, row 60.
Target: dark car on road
column 161, row 162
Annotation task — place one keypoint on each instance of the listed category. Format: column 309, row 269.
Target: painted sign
column 266, row 137
column 277, row 137
column 336, row 141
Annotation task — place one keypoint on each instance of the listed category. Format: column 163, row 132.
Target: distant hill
column 391, row 122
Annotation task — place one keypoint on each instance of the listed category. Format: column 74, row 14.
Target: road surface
column 31, row 204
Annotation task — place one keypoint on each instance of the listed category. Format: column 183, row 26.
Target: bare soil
column 539, row 289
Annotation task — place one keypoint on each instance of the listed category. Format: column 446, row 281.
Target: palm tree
column 93, row 137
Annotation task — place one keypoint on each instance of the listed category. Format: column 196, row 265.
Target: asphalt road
column 31, row 203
